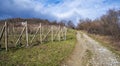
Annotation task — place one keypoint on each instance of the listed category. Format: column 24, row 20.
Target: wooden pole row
column 56, row 32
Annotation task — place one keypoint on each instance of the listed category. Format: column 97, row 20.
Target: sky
column 58, row 10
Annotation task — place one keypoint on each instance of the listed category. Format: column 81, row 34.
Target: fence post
column 6, row 36
column 65, row 32
column 52, row 33
column 40, row 33
column 13, row 33
column 59, row 33
column 27, row 34
column 62, row 33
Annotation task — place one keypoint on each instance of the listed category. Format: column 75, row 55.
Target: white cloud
column 66, row 10
column 70, row 9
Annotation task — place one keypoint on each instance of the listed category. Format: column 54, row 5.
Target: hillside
column 31, row 21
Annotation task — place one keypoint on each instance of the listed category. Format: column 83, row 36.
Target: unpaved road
column 97, row 56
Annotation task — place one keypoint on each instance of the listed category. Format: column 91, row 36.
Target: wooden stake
column 40, row 33
column 27, row 35
column 52, row 33
column 1, row 35
column 6, row 36
column 20, row 36
column 35, row 35
column 65, row 32
column 13, row 33
column 46, row 35
column 62, row 33
column 59, row 33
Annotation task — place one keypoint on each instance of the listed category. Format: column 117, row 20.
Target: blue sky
column 56, row 9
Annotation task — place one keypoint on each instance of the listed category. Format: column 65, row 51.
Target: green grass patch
column 46, row 54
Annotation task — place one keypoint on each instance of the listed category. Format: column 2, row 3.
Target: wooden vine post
column 65, row 29
column 27, row 40
column 13, row 30
column 62, row 35
column 6, row 36
column 52, row 33
column 58, row 35
column 40, row 33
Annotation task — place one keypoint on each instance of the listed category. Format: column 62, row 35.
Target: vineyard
column 23, row 34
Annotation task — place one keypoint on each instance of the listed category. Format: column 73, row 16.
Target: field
column 46, row 54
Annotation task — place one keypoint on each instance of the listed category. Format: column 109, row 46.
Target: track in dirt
column 101, row 56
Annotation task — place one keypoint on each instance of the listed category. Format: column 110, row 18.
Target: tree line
column 17, row 21
column 31, row 21
column 108, row 24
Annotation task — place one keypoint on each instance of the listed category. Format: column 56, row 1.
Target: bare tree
column 108, row 24
column 71, row 25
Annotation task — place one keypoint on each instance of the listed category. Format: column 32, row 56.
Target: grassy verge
column 105, row 44
column 47, row 54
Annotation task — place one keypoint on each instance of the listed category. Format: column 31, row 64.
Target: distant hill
column 31, row 21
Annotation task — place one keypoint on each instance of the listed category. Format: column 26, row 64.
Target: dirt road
column 89, row 52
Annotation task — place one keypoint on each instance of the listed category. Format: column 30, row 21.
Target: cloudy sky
column 56, row 9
